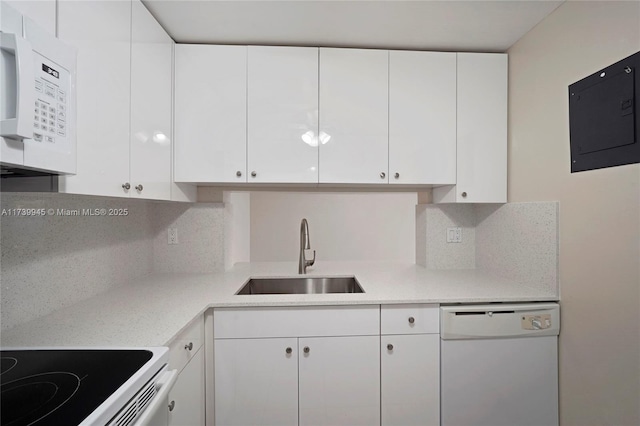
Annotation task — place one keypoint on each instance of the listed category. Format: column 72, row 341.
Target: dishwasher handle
column 499, row 321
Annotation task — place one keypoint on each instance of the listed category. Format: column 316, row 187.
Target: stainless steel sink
column 300, row 285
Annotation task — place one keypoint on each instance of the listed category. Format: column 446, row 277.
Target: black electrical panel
column 603, row 117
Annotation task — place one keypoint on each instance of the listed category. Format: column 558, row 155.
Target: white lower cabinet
column 339, row 380
column 410, row 365
column 256, row 382
column 279, row 366
column 356, row 365
column 410, row 379
column 186, row 399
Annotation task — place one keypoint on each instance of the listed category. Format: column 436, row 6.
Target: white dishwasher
column 499, row 364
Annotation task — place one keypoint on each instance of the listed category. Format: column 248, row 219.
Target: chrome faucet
column 304, row 245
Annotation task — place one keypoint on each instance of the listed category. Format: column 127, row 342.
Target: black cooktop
column 61, row 387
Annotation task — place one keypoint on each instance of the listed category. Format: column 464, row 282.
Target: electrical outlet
column 454, row 235
column 173, row 236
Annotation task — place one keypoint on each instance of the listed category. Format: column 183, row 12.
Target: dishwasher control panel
column 536, row 322
column 499, row 320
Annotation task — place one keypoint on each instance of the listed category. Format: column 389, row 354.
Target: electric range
column 87, row 386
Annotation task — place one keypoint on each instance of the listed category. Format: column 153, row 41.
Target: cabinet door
column 410, row 375
column 256, row 382
column 339, row 380
column 211, row 113
column 482, row 131
column 151, row 103
column 187, row 395
column 282, row 115
column 422, row 117
column 101, row 30
column 354, row 116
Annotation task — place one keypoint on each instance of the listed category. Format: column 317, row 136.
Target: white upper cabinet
column 124, row 99
column 343, row 116
column 101, row 31
column 354, row 100
column 210, row 113
column 422, row 117
column 151, row 106
column 282, row 115
column 482, row 131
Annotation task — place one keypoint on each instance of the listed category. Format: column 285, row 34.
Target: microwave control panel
column 51, row 106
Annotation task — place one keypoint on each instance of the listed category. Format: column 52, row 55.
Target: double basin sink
column 301, row 285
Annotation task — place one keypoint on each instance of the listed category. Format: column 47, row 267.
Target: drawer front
column 409, row 319
column 185, row 346
column 313, row 321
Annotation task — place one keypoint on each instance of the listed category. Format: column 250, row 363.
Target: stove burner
column 54, row 387
column 30, row 399
column 7, row 363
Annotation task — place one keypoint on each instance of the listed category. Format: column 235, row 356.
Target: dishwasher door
column 499, row 365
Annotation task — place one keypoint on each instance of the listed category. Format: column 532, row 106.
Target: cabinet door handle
column 172, row 405
column 126, row 186
column 238, row 173
column 254, row 174
column 306, row 350
column 189, row 346
column 412, row 320
column 389, row 347
column 289, row 350
column 139, row 187
column 397, row 175
column 464, row 195
column 383, row 175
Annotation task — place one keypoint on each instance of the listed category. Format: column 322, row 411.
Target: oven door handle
column 159, row 402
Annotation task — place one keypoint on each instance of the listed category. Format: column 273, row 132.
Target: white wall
column 200, row 247
column 599, row 210
column 343, row 226
column 237, row 228
column 53, row 261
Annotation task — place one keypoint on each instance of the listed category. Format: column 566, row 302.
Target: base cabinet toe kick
column 376, row 364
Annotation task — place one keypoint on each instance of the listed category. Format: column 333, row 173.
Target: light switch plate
column 454, row 235
column 172, row 236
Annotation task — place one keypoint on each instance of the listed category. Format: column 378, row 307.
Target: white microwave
column 38, row 98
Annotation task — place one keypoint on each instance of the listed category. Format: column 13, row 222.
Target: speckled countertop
column 153, row 310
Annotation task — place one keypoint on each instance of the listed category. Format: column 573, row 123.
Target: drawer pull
column 411, row 320
column 306, row 349
column 189, row 346
column 389, row 347
column 289, row 350
column 172, row 405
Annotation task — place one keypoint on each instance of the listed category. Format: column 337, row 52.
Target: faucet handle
column 312, row 261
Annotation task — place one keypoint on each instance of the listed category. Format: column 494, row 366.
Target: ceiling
column 447, row 25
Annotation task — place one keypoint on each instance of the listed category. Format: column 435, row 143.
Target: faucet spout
column 305, row 244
